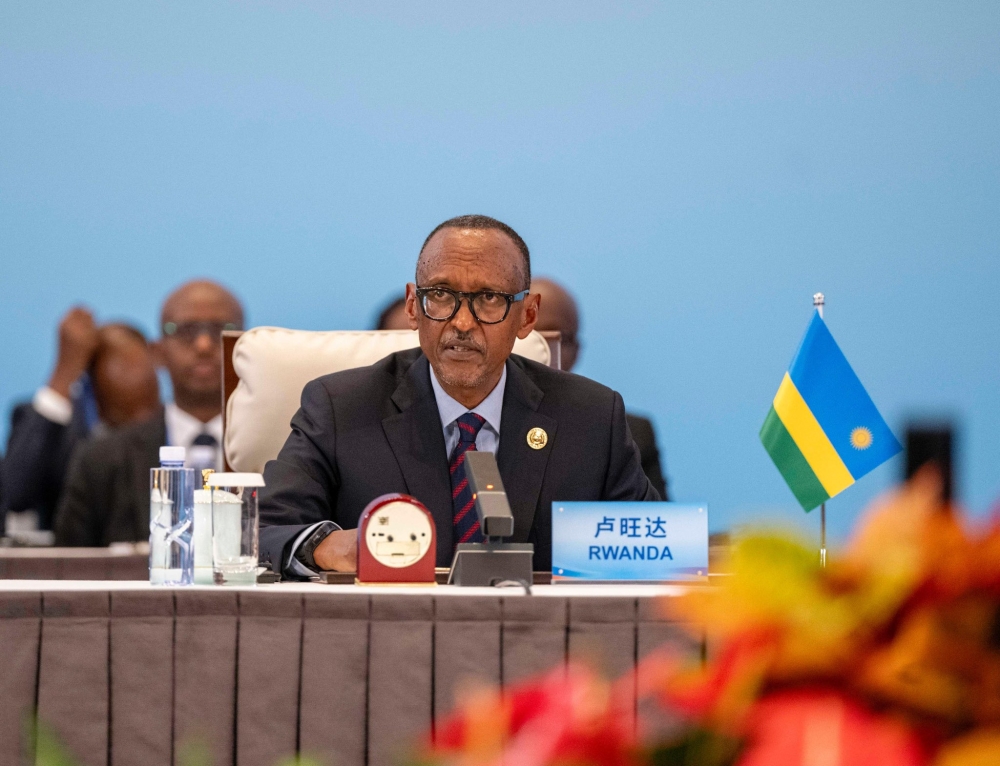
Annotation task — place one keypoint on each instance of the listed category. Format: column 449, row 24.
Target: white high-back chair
column 272, row 365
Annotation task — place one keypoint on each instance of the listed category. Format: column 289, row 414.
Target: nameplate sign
column 629, row 541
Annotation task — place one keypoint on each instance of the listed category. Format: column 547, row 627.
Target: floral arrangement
column 889, row 656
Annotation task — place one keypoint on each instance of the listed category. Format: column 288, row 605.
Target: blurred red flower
column 567, row 716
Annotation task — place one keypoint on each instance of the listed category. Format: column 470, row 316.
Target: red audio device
column 396, row 541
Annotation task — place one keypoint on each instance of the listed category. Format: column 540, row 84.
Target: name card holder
column 629, row 542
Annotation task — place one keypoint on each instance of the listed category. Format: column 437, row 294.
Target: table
column 127, row 673
column 123, row 561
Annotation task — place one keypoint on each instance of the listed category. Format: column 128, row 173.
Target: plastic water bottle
column 171, row 518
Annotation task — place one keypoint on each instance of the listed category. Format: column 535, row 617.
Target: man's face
column 466, row 355
column 192, row 354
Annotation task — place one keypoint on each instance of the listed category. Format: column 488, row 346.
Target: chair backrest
column 270, row 366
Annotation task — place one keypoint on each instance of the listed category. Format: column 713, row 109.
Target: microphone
column 488, row 494
column 490, row 562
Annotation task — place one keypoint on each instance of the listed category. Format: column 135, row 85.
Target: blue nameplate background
column 629, row 541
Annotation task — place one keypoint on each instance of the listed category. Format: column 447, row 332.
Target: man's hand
column 77, row 343
column 338, row 551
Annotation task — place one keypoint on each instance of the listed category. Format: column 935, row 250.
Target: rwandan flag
column 823, row 431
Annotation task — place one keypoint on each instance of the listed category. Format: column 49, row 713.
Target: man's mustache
column 461, row 340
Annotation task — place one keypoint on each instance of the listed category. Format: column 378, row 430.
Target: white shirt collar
column 183, row 427
column 489, row 408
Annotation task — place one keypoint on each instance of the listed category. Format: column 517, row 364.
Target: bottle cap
column 172, row 454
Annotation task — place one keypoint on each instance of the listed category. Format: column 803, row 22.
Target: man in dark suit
column 405, row 423
column 104, row 378
column 107, row 490
column 558, row 311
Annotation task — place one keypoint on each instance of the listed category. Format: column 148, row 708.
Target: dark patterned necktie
column 205, row 439
column 203, row 452
column 466, row 524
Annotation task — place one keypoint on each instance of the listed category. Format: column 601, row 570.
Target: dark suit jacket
column 362, row 433
column 38, row 454
column 645, row 440
column 106, row 498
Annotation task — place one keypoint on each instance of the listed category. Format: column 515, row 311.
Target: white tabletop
column 568, row 590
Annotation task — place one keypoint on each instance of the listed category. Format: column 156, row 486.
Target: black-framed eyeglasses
column 189, row 332
column 487, row 306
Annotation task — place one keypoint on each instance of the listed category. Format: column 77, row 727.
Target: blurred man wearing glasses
column 192, row 322
column 107, row 491
column 405, row 423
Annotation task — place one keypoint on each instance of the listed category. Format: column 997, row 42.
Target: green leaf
column 49, row 751
column 194, row 752
column 697, row 747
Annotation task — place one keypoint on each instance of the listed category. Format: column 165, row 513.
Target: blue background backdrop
column 692, row 171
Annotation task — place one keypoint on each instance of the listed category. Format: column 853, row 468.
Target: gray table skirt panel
column 333, row 710
column 139, row 677
column 20, row 635
column 142, row 677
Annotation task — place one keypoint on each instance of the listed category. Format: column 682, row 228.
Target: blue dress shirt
column 489, row 409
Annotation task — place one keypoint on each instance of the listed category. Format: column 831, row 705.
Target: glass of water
column 234, row 527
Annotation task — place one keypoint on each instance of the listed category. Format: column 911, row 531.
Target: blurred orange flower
column 821, row 727
column 889, row 656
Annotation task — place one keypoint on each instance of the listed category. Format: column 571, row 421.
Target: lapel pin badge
column 537, row 438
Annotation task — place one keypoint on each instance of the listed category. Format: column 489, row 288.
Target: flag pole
column 819, row 301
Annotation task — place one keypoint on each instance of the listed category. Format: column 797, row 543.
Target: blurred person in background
column 104, row 378
column 558, row 311
column 107, row 491
column 393, row 316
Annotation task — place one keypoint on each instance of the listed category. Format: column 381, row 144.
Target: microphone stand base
column 483, row 565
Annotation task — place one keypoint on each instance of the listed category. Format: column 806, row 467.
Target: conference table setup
column 127, row 672
column 215, row 640
column 138, row 652
column 239, row 633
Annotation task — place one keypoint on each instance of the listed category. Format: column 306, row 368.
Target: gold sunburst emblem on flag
column 861, row 438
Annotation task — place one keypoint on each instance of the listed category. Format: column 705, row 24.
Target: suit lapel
column 417, row 441
column 521, row 467
column 143, row 454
